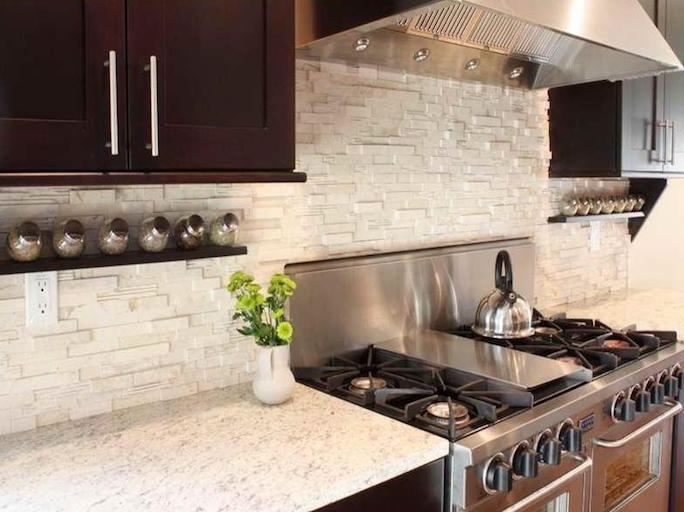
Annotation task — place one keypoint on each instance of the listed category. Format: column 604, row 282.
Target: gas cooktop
column 454, row 384
column 444, row 401
column 584, row 342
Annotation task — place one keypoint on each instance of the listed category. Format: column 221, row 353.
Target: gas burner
column 439, row 412
column 361, row 385
column 615, row 343
column 545, row 330
column 571, row 360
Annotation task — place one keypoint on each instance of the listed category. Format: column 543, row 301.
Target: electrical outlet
column 595, row 236
column 41, row 299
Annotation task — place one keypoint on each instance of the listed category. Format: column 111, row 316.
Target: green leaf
column 246, row 303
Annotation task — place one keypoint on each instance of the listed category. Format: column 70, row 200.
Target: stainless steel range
column 576, row 416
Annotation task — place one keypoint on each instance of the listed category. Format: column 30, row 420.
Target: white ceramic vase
column 273, row 383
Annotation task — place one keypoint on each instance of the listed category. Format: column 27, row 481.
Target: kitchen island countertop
column 219, row 450
column 649, row 309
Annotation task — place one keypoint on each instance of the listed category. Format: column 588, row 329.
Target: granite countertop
column 219, row 450
column 648, row 309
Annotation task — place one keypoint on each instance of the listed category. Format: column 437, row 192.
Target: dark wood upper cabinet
column 200, row 86
column 225, row 87
column 633, row 128
column 54, row 84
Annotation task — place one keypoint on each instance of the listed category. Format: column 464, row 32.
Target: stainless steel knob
column 570, row 437
column 525, row 463
column 498, row 476
column 549, row 450
column 624, row 409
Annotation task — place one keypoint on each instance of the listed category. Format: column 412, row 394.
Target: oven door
column 633, row 472
column 565, row 494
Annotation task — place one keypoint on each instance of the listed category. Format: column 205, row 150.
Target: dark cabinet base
column 420, row 490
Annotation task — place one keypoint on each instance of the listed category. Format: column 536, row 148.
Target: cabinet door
column 419, row 490
column 584, row 124
column 224, row 75
column 642, row 113
column 54, row 84
column 674, row 88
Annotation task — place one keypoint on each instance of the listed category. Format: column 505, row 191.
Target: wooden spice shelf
column 47, row 179
column 128, row 258
column 596, row 218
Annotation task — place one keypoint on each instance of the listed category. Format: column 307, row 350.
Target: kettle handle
column 503, row 272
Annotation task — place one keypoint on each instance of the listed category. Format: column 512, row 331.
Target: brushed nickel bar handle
column 674, row 409
column 113, row 104
column 665, row 125
column 672, row 151
column 154, row 106
column 552, row 486
column 660, row 125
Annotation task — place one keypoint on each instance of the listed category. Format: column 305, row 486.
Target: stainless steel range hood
column 521, row 43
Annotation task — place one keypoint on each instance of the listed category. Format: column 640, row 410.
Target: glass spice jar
column 224, row 230
column 584, row 206
column 154, row 234
column 620, row 204
column 112, row 237
column 188, row 232
column 24, row 242
column 68, row 238
column 608, row 206
column 569, row 207
column 596, row 205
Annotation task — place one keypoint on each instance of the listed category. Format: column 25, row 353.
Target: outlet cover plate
column 40, row 290
column 595, row 236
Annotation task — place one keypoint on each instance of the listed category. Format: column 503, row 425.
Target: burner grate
column 586, row 342
column 407, row 389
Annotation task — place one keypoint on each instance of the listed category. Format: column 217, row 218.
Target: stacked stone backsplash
column 394, row 162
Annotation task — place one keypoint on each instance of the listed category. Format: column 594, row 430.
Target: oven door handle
column 552, row 486
column 675, row 408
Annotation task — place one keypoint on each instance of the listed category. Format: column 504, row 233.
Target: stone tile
column 395, row 161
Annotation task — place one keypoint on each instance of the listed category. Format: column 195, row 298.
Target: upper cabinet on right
column 633, row 128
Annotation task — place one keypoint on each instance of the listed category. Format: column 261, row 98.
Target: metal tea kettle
column 503, row 313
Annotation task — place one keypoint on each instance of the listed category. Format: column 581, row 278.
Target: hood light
column 472, row 64
column 421, row 55
column 516, row 73
column 361, row 44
